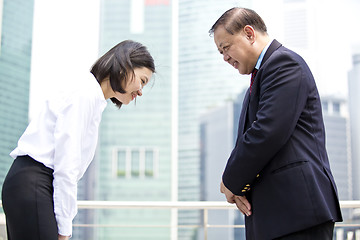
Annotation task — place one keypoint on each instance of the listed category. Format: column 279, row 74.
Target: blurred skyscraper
column 337, row 128
column 135, row 142
column 218, row 133
column 354, row 100
column 216, row 143
column 205, row 81
column 16, row 24
column 336, row 120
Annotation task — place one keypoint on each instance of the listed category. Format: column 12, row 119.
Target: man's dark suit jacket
column 279, row 161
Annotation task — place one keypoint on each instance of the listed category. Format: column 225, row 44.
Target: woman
column 39, row 191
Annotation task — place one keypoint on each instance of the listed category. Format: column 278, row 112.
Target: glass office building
column 133, row 162
column 336, row 120
column 218, row 134
column 16, row 23
column 205, row 81
column 337, row 129
column 354, row 99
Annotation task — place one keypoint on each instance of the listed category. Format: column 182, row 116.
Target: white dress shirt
column 63, row 137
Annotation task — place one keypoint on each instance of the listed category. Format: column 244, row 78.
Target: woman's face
column 135, row 85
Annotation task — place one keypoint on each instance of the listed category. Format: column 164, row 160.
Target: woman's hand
column 63, row 237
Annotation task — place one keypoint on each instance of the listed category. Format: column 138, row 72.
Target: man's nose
column 226, row 57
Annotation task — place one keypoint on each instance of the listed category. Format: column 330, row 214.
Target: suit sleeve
column 282, row 98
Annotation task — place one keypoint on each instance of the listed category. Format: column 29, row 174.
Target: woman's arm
column 69, row 134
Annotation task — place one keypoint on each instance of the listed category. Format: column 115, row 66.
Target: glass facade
column 15, row 58
column 218, row 133
column 205, row 81
column 337, row 129
column 134, row 153
column 354, row 99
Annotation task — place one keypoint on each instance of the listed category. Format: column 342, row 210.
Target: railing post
column 174, row 224
column 205, row 224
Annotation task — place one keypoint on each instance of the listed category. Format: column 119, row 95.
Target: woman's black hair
column 119, row 63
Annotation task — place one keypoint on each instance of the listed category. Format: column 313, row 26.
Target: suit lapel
column 243, row 114
column 245, row 108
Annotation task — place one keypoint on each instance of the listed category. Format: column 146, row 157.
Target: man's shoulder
column 283, row 55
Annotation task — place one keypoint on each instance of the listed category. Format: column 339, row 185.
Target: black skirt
column 27, row 198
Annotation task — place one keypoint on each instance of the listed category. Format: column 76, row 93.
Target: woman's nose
column 139, row 92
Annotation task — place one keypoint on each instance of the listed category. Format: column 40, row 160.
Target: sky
column 65, row 45
column 65, row 42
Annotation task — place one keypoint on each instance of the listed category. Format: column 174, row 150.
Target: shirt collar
column 258, row 63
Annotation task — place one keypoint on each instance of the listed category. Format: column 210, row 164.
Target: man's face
column 236, row 49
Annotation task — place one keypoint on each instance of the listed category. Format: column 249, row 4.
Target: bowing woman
column 40, row 190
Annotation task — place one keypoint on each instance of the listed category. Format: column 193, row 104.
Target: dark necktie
column 253, row 74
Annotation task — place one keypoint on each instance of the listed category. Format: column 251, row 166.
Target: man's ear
column 249, row 33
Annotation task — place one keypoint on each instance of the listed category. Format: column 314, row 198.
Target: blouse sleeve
column 69, row 134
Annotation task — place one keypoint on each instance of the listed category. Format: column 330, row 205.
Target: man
column 278, row 174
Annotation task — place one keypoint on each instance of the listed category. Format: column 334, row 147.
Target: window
column 135, row 162
column 325, row 107
column 121, row 163
column 336, row 107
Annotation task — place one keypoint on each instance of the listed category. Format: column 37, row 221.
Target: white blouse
column 63, row 137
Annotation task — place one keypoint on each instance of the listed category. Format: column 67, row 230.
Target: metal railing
column 205, row 206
